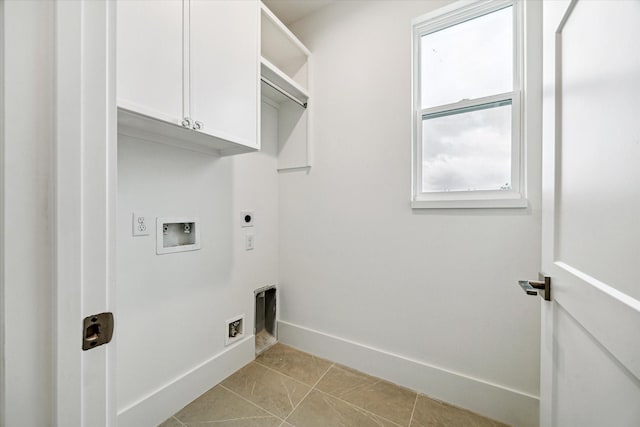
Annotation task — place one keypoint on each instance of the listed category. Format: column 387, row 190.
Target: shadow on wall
column 164, row 181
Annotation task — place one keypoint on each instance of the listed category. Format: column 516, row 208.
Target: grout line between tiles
column 314, row 387
column 328, row 394
column 285, row 375
column 217, row 422
column 358, row 386
column 358, row 407
column 254, row 404
column 415, row 403
column 309, row 392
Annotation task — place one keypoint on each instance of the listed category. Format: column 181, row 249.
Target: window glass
column 469, row 60
column 467, row 149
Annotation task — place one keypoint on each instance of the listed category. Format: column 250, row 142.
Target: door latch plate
column 97, row 330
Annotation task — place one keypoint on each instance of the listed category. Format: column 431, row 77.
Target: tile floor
column 286, row 387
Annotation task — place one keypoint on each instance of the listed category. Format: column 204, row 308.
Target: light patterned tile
column 242, row 422
column 432, row 413
column 299, row 365
column 383, row 398
column 268, row 389
column 218, row 404
column 321, row 410
column 171, row 422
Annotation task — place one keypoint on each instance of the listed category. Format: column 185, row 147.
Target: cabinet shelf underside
column 139, row 126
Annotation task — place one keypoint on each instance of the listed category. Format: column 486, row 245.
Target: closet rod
column 284, row 92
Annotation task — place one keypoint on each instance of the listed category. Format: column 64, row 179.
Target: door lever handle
column 540, row 287
column 536, row 284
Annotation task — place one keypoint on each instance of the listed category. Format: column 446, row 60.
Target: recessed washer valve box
column 177, row 234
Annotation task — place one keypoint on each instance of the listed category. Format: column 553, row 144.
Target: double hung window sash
column 467, row 143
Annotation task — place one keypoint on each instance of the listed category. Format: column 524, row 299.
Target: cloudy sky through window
column 470, row 150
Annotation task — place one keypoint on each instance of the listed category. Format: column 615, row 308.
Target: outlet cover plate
column 140, row 224
column 249, row 242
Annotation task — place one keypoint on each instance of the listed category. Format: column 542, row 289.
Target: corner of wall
column 160, row 404
column 492, row 400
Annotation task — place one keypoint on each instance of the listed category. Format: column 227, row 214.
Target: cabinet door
column 150, row 66
column 224, row 68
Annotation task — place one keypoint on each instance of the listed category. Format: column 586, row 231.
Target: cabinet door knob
column 186, row 122
column 198, row 125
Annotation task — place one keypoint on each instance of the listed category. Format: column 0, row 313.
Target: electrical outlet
column 247, row 219
column 140, row 225
column 249, row 242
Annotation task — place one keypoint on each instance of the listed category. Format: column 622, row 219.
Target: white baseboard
column 494, row 401
column 169, row 399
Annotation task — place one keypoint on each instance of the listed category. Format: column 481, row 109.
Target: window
column 467, row 148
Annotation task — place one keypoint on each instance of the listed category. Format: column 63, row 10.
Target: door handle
column 541, row 287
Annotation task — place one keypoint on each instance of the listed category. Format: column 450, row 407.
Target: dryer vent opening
column 265, row 328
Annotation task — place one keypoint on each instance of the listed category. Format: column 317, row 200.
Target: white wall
column 172, row 308
column 437, row 288
column 27, row 136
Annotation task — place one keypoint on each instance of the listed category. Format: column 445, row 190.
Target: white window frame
column 442, row 18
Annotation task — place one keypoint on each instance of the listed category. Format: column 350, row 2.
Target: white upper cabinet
column 150, row 38
column 189, row 73
column 224, row 58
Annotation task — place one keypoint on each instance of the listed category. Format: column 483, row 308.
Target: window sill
column 470, row 204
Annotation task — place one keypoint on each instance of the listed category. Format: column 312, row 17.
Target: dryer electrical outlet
column 247, row 219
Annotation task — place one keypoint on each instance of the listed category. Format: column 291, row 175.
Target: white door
column 84, row 189
column 590, row 350
column 224, row 68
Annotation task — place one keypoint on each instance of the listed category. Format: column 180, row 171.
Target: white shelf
column 286, row 85
column 282, row 48
column 140, row 126
column 283, row 68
